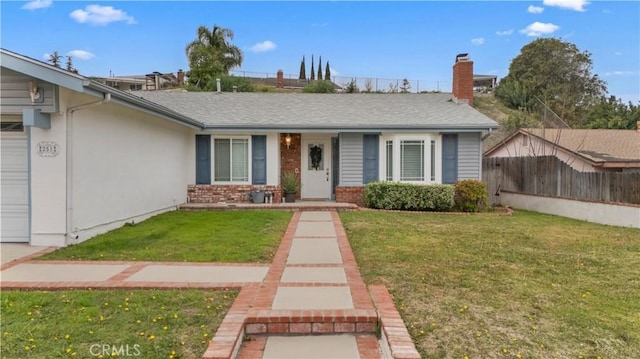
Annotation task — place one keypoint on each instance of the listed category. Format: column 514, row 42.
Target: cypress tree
column 303, row 70
column 313, row 74
column 327, row 72
column 320, row 68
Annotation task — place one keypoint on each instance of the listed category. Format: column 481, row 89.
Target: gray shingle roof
column 274, row 111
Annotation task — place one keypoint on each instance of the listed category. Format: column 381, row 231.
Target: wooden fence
column 548, row 176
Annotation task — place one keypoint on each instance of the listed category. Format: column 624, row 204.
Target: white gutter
column 69, row 142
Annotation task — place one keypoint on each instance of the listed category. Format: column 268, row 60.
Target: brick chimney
column 280, row 79
column 463, row 79
column 180, row 77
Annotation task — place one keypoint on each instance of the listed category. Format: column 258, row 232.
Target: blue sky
column 414, row 40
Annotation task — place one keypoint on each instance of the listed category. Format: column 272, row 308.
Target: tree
column 54, row 59
column 70, row 65
column 327, row 72
column 611, row 113
column 211, row 54
column 351, row 87
column 406, row 86
column 559, row 74
column 313, row 74
column 303, row 70
column 320, row 68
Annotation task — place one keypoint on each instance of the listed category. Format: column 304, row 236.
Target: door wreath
column 315, row 152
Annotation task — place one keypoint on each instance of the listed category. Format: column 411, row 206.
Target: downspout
column 69, row 142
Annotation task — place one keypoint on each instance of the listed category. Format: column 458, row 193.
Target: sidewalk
column 311, row 302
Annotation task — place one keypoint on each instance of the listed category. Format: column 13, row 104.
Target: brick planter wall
column 350, row 195
column 210, row 193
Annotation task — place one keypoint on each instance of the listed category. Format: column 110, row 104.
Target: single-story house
column 585, row 150
column 80, row 158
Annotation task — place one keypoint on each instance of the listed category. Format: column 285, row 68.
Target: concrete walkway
column 311, row 302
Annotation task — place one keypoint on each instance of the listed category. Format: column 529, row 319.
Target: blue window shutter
column 259, row 159
column 370, row 158
column 449, row 158
column 203, row 159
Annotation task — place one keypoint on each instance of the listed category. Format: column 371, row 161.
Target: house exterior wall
column 48, row 179
column 530, row 146
column 15, row 93
column 469, row 156
column 351, row 165
column 125, row 166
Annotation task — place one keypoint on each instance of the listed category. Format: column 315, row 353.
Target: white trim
column 396, row 139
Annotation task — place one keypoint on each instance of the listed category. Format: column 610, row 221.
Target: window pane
column 240, row 160
column 433, row 160
column 222, row 166
column 389, row 160
column 412, row 160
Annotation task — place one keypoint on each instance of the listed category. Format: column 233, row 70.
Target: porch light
column 287, row 140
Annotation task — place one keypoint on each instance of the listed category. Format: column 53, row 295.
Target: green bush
column 319, row 86
column 409, row 197
column 471, row 196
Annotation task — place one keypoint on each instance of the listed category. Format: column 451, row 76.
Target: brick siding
column 350, row 195
column 212, row 193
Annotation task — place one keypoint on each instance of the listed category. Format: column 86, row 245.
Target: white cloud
column 577, row 5
column 606, row 11
column 505, row 32
column 620, row 73
column 37, row 4
column 477, row 41
column 263, row 46
column 80, row 54
column 539, row 28
column 617, row 53
column 100, row 15
column 535, row 9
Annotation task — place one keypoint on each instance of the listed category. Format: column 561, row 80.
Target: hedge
column 409, row 197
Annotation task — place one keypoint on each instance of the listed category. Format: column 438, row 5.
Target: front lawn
column 523, row 286
column 215, row 236
column 106, row 323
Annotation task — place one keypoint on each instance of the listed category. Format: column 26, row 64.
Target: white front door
column 316, row 168
column 14, row 178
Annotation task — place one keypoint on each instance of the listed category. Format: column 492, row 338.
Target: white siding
column 351, row 166
column 469, row 156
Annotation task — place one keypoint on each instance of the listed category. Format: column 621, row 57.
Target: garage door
column 14, row 178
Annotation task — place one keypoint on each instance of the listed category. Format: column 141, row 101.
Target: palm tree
column 212, row 54
column 54, row 59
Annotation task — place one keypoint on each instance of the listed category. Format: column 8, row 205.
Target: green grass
column 231, row 237
column 489, row 286
column 81, row 323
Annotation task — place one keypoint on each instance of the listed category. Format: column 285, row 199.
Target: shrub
column 320, row 86
column 471, row 196
column 411, row 197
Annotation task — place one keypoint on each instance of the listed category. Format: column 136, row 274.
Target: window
column 231, row 159
column 389, row 149
column 11, row 127
column 433, row 160
column 412, row 161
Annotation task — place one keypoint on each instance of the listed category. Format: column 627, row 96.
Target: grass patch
column 182, row 236
column 94, row 324
column 528, row 285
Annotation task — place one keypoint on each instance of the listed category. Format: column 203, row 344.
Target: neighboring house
column 484, row 83
column 585, row 150
column 149, row 82
column 80, row 158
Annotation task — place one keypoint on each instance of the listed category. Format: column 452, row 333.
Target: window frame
column 431, row 157
column 247, row 159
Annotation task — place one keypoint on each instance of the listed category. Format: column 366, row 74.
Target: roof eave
column 352, row 129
